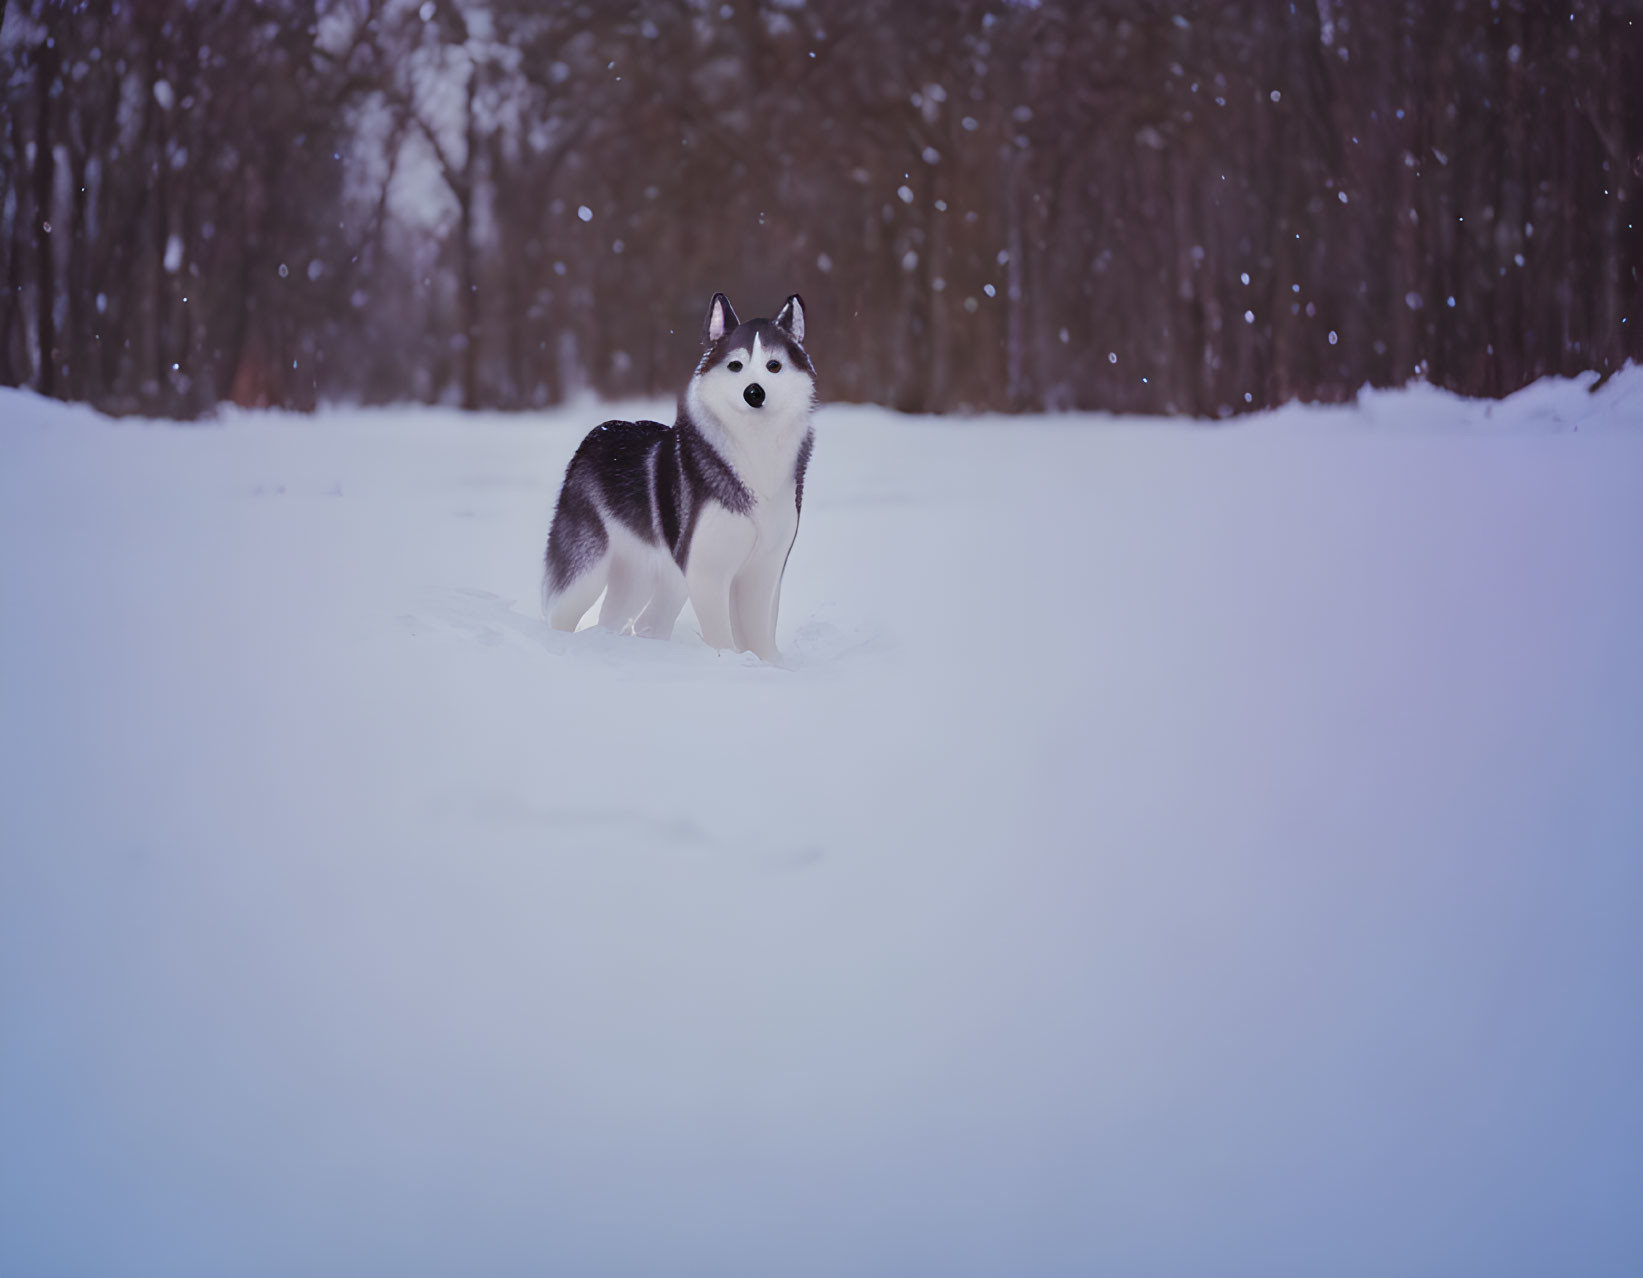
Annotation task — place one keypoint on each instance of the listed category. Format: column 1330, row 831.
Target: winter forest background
column 1194, row 208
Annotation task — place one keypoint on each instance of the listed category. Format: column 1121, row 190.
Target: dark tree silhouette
column 1199, row 207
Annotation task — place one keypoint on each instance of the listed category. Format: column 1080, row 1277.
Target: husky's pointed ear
column 720, row 319
column 791, row 317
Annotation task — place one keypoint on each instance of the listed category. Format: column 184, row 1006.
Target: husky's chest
column 766, row 461
column 766, row 464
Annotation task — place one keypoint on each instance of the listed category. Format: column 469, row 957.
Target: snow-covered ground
column 1164, row 849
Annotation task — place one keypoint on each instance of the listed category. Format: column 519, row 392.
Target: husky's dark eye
column 775, row 366
column 735, row 366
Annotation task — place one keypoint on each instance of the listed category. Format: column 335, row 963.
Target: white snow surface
column 1164, row 849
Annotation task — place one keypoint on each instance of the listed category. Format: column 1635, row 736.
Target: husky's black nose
column 754, row 395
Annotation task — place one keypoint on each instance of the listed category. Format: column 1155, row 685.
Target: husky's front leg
column 718, row 550
column 754, row 598
column 710, row 597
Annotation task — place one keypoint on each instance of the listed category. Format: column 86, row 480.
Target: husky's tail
column 549, row 594
column 577, row 559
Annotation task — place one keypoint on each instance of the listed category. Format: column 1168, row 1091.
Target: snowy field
column 1164, row 849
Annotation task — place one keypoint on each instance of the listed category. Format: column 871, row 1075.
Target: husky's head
column 757, row 370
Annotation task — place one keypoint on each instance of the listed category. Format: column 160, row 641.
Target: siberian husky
column 706, row 508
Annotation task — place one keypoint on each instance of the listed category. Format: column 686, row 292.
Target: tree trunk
column 45, row 176
column 14, row 266
column 79, row 363
column 470, row 285
column 1015, row 319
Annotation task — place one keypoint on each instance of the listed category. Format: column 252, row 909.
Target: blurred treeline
column 1195, row 207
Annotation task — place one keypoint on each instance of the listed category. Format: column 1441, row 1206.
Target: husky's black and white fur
column 706, row 508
